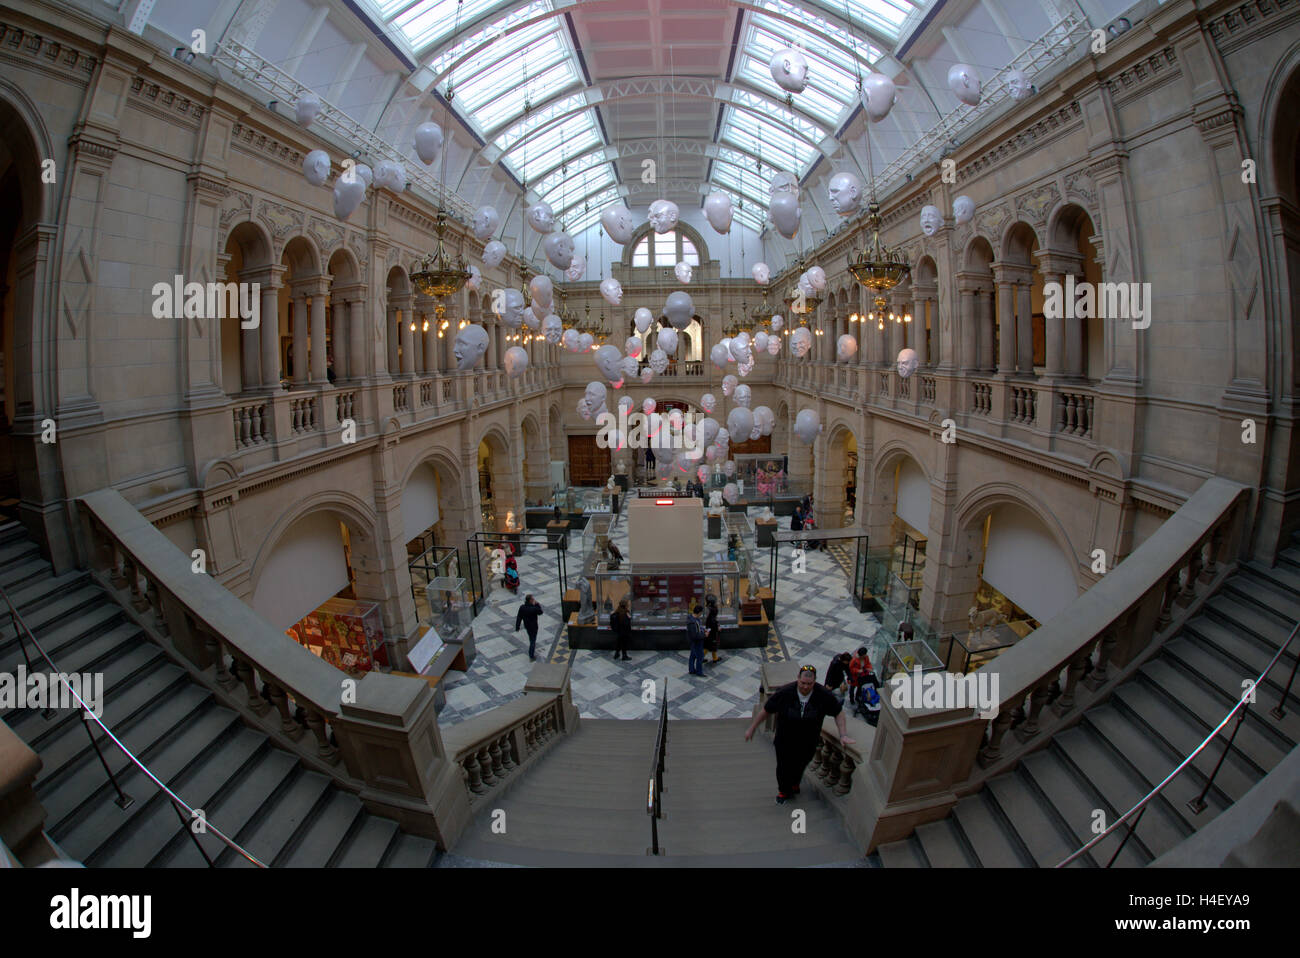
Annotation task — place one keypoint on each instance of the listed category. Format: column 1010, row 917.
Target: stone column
column 967, row 289
column 356, row 333
column 271, row 327
column 392, row 335
column 319, row 291
column 1054, row 328
column 984, row 316
column 250, row 365
column 340, row 334
column 430, row 342
column 1006, row 323
column 1024, row 329
column 918, row 326
column 301, row 329
column 408, row 336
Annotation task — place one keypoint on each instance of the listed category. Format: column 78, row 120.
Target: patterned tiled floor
column 815, row 619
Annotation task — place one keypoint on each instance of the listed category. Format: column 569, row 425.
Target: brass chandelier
column 438, row 275
column 762, row 314
column 800, row 303
column 879, row 268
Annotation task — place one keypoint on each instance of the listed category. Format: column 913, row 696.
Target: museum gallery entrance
column 588, row 462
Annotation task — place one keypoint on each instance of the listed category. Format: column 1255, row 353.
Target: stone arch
column 882, row 494
column 497, row 477
column 31, row 471
column 685, row 229
column 345, row 345
column 1017, row 243
column 535, row 458
column 305, row 279
column 835, row 495
column 1071, row 231
column 352, row 510
column 246, row 258
column 455, row 519
column 1279, row 137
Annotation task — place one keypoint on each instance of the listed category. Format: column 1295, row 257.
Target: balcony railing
column 1074, row 414
column 1024, row 405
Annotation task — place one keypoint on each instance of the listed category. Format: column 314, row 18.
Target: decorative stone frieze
column 17, row 41
column 280, row 219
column 1157, row 69
column 255, row 141
column 168, row 104
column 1034, row 135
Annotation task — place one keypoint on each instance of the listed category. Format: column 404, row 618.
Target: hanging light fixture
column 799, row 303
column 877, row 267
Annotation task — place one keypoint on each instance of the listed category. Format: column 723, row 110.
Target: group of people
column 852, row 680
column 702, row 632
column 804, row 520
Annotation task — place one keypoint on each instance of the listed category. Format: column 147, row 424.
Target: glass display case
column 906, row 657
column 763, row 474
column 595, row 541
column 661, row 594
column 346, row 633
column 434, row 562
column 450, row 607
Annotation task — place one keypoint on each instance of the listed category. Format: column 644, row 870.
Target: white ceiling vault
column 581, row 100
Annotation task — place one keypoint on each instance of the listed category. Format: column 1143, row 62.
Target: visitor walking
column 527, row 616
column 695, row 634
column 796, row 524
column 712, row 633
column 799, row 708
column 837, row 676
column 621, row 623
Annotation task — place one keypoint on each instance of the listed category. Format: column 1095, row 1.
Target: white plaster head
column 612, row 290
column 878, row 96
column 558, row 248
column 760, row 342
column 658, row 361
column 729, row 383
column 618, row 222
column 511, row 304
column 963, row 82
column 585, row 342
column 846, row 347
column 740, row 421
column 907, row 362
column 306, row 108
column 785, row 214
column 366, row 173
column 475, row 278
column 783, row 182
column 720, row 355
column 390, row 175
column 718, row 211
column 647, row 374
column 708, row 402
column 553, row 329
column 746, row 367
column 577, row 266
column 486, row 221
column 801, row 341
column 628, row 367
column 816, row 277
column 542, row 290
column 683, row 272
column 493, row 253
column 777, row 322
column 679, row 308
column 595, row 394
column 773, row 345
column 807, row 425
column 534, row 315
column 643, row 318
column 789, row 69
column 845, row 193
column 663, row 215
column 541, row 217
column 1018, row 85
column 625, row 404
column 609, row 361
column 316, row 167
column 584, row 408
column 515, row 361
column 739, row 351
column 633, row 346
column 761, row 273
column 765, row 420
column 743, row 397
column 648, row 406
column 667, row 341
column 570, row 338
column 963, row 209
column 471, row 343
column 931, row 220
column 349, row 191
column 428, row 143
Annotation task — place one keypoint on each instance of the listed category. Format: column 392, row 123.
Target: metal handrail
column 654, row 791
column 123, row 801
column 1198, row 803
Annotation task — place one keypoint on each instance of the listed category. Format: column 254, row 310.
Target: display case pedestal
column 744, row 635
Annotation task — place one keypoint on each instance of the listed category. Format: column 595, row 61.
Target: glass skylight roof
column 423, row 22
column 581, row 219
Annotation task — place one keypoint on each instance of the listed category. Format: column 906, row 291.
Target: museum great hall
column 345, row 341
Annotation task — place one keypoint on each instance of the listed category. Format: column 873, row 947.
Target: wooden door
column 589, row 465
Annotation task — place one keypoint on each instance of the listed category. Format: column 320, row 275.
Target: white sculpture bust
column 471, row 343
column 715, row 499
column 612, row 290
column 931, row 220
column 663, row 215
column 846, row 193
column 963, row 209
column 541, row 217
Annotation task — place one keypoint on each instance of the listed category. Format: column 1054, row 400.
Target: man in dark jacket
column 799, row 708
column 695, row 633
column 527, row 616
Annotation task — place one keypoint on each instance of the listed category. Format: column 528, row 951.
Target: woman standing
column 712, row 634
column 621, row 623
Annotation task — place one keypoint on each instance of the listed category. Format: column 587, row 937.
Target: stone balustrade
column 400, row 401
column 374, row 734
column 981, row 399
column 923, row 760
column 927, row 390
column 1024, row 405
column 344, row 406
column 1074, row 415
column 252, row 424
column 302, row 412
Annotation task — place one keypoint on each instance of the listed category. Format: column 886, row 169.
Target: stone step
column 364, row 846
column 984, row 832
column 1247, row 651
column 271, row 830
column 1075, row 802
column 1225, row 685
column 1121, row 788
column 57, row 641
column 906, row 853
column 1161, row 705
column 315, row 842
column 1253, row 590
column 239, row 801
column 47, row 605
column 18, row 575
column 1283, row 574
column 16, row 551
column 1033, row 819
column 942, row 847
column 410, row 851
column 1237, row 614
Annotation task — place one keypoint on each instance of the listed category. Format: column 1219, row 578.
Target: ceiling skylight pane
column 428, row 21
column 450, row 55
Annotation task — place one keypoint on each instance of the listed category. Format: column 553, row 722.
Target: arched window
column 665, row 249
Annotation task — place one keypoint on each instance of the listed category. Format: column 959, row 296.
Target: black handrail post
column 21, row 644
column 1277, row 711
column 1197, row 805
column 1132, row 827
column 123, row 801
column 186, row 826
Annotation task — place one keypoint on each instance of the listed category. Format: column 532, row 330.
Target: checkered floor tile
column 815, row 620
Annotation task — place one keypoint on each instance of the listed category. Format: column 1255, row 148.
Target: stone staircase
column 1042, row 810
column 260, row 795
column 585, row 804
